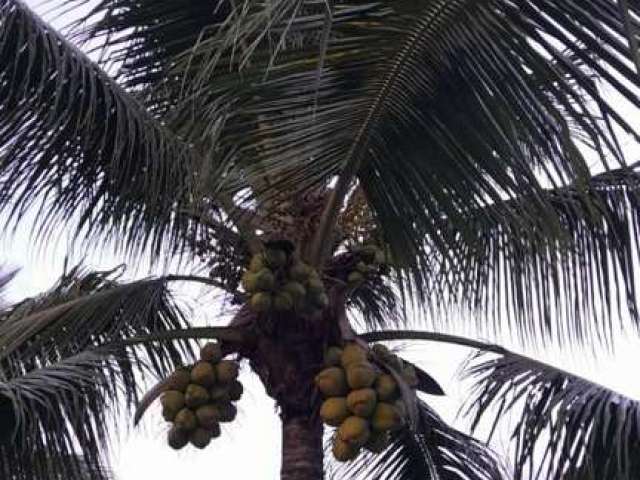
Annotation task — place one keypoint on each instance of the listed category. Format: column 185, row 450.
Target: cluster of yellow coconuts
column 362, row 401
column 280, row 281
column 200, row 397
column 369, row 260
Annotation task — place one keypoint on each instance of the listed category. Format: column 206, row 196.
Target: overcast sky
column 250, row 446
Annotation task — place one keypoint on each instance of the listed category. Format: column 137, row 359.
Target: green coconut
column 177, row 438
column 332, row 357
column 265, row 280
column 178, row 380
column 257, row 263
column 261, row 302
column 295, row 289
column 200, row 438
column 299, row 272
column 354, row 431
column 334, row 411
column 195, row 396
column 343, row 451
column 275, row 258
column 207, row 416
column 386, row 387
column 186, row 420
column 362, row 267
column 362, row 402
column 283, row 302
column 227, row 371
column 211, row 352
column 172, row 402
column 315, row 286
column 203, row 373
column 386, row 417
column 360, row 375
column 249, row 281
column 332, row 382
column 381, row 351
column 320, row 300
column 235, row 390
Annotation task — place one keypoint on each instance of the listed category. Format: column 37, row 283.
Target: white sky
column 250, row 447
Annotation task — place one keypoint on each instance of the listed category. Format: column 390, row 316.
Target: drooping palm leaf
column 434, row 451
column 566, row 427
column 76, row 145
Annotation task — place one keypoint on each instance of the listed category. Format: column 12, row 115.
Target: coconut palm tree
column 415, row 159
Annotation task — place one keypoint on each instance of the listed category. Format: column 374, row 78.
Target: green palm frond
column 77, row 146
column 434, row 451
column 66, row 369
column 566, row 427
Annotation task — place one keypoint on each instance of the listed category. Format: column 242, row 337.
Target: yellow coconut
column 265, row 280
column 257, row 263
column 211, row 352
column 178, row 380
column 361, row 375
column 261, row 302
column 334, row 411
column 249, row 281
column 186, row 420
column 332, row 382
column 362, row 402
column 227, row 371
column 196, row 395
column 378, row 442
column 235, row 390
column 200, row 438
column 343, row 451
column 386, row 417
column 203, row 373
column 177, row 438
column 354, row 431
column 386, row 387
column 207, row 416
column 332, row 357
column 353, row 353
column 172, row 402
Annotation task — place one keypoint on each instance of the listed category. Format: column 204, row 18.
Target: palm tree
column 470, row 141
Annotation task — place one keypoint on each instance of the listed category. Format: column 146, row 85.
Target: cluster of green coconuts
column 361, row 400
column 278, row 281
column 370, row 259
column 199, row 397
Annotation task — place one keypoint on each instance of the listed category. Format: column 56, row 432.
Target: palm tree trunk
column 301, row 449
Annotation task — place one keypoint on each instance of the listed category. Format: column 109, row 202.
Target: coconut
column 235, row 390
column 378, row 442
column 315, row 285
column 334, row 411
column 275, row 258
column 207, row 416
column 320, row 300
column 353, row 353
column 410, row 376
column 386, row 417
column 332, row 382
column 355, row 278
column 283, row 302
column 200, row 438
column 360, row 375
column 203, row 373
column 362, row 402
column 177, row 438
column 386, row 387
column 227, row 371
column 332, row 357
column 172, row 402
column 261, row 302
column 186, row 420
column 178, row 380
column 195, row 396
column 299, row 271
column 295, row 289
column 220, row 393
column 249, row 281
column 257, row 263
column 381, row 351
column 362, row 267
column 355, row 431
column 211, row 352
column 265, row 280
column 227, row 412
column 343, row 451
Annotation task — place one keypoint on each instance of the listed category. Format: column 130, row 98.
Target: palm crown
column 466, row 144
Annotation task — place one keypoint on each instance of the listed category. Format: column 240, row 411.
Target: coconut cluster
column 280, row 281
column 361, row 401
column 369, row 260
column 200, row 397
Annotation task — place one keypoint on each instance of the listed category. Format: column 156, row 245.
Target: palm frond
column 75, row 145
column 434, row 451
column 66, row 369
column 566, row 427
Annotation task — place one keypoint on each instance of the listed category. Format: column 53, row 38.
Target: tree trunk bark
column 302, row 452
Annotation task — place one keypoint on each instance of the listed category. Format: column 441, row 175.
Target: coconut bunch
column 279, row 281
column 369, row 260
column 200, row 397
column 361, row 400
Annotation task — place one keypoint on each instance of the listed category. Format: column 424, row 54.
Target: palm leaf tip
column 567, row 427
